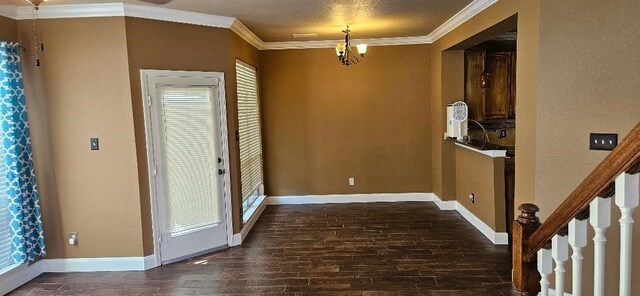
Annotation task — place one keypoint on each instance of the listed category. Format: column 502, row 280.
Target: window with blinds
column 5, row 236
column 189, row 157
column 250, row 135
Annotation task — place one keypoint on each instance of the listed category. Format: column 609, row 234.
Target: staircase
column 538, row 247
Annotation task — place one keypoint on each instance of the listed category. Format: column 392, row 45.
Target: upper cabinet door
column 474, row 93
column 498, row 100
column 498, row 97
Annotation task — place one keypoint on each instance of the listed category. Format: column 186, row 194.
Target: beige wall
column 172, row 46
column 588, row 82
column 452, row 87
column 324, row 122
column 82, row 91
column 484, row 177
column 584, row 87
column 8, row 29
column 162, row 45
column 447, row 89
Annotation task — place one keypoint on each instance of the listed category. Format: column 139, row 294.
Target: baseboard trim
column 25, row 273
column 445, row 205
column 238, row 238
column 80, row 265
column 98, row 264
column 150, row 262
column 349, row 198
column 497, row 238
column 19, row 276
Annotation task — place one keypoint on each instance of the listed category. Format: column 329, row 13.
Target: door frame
column 224, row 143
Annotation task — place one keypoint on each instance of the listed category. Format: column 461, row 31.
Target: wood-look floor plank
column 339, row 249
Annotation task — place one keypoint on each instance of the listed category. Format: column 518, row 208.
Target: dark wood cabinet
column 498, row 94
column 498, row 100
column 473, row 93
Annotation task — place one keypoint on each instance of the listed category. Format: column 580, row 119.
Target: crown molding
column 332, row 43
column 455, row 21
column 130, row 10
column 459, row 18
column 202, row 19
column 299, row 44
column 395, row 41
column 72, row 11
column 241, row 30
column 178, row 16
column 9, row 11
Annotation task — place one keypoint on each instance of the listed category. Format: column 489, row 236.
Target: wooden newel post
column 526, row 277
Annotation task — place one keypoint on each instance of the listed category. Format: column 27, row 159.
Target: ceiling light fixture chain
column 346, row 54
column 37, row 35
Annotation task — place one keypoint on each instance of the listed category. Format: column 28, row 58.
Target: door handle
column 221, row 172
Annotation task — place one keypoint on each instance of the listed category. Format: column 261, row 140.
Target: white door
column 188, row 172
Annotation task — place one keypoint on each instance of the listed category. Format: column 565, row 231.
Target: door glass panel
column 190, row 184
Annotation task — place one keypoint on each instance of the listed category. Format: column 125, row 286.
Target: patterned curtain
column 26, row 221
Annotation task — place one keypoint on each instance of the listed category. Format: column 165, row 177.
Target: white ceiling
column 276, row 20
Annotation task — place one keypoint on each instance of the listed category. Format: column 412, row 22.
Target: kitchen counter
column 486, row 148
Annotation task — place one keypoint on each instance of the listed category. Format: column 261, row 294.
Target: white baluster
column 560, row 253
column 577, row 240
column 627, row 191
column 545, row 267
column 600, row 219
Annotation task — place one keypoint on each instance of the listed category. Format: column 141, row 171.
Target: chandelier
column 345, row 53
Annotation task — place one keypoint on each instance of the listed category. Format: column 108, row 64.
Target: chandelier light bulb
column 340, row 47
column 362, row 49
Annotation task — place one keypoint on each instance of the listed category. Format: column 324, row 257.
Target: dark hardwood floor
column 345, row 249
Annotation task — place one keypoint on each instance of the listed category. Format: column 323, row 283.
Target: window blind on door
column 5, row 233
column 251, row 175
column 189, row 160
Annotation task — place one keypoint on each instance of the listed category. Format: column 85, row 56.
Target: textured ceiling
column 276, row 20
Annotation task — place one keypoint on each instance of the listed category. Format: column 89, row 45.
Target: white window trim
column 248, row 213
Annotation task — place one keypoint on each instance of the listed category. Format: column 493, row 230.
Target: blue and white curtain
column 26, row 220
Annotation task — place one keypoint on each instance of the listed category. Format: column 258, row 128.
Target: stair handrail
column 530, row 236
column 624, row 158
